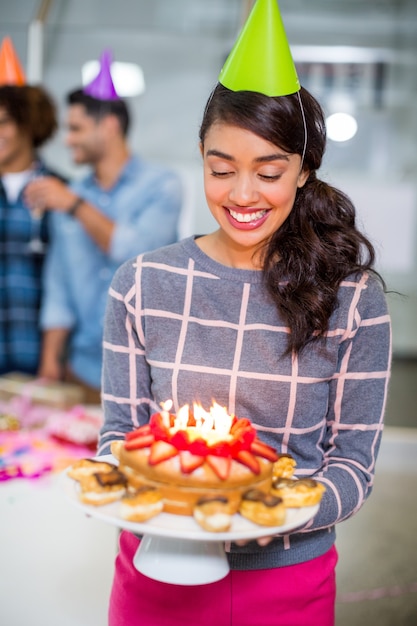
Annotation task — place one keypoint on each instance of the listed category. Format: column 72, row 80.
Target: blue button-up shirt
column 145, row 205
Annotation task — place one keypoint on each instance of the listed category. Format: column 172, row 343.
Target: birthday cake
column 195, row 454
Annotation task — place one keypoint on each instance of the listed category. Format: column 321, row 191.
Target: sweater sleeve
column 125, row 374
column 357, row 398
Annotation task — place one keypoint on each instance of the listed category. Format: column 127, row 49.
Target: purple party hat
column 102, row 87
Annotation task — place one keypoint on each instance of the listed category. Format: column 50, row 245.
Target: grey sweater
column 181, row 326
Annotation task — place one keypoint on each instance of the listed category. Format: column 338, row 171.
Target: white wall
column 387, row 213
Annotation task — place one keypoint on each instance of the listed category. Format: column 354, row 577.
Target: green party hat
column 261, row 59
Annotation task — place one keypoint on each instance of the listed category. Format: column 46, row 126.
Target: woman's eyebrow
column 262, row 159
column 272, row 157
column 221, row 155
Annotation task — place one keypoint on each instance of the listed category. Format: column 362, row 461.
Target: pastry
column 284, row 466
column 263, row 509
column 141, row 505
column 85, row 467
column 213, row 514
column 297, row 493
column 102, row 487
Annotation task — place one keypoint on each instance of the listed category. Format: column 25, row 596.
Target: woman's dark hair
column 318, row 245
column 98, row 109
column 32, row 109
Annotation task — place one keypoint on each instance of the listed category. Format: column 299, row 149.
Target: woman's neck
column 228, row 254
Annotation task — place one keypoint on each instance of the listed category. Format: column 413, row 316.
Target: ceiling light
column 341, row 126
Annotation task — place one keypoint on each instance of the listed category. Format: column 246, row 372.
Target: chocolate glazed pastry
column 263, row 509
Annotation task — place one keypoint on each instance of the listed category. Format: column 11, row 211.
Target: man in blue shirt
column 124, row 207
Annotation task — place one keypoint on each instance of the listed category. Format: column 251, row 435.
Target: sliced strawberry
column 199, row 447
column 180, row 440
column 138, row 432
column 247, row 458
column 189, row 462
column 264, row 450
column 221, row 448
column 246, row 437
column 158, row 427
column 243, row 431
column 161, row 451
column 240, row 424
column 140, row 442
column 220, row 465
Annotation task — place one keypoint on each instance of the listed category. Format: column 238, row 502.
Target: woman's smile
column 247, row 220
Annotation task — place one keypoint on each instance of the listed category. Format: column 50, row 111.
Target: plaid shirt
column 181, row 326
column 20, row 285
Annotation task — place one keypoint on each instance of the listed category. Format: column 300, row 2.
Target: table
column 56, row 564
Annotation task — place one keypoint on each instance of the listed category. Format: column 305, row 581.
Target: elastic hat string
column 305, row 130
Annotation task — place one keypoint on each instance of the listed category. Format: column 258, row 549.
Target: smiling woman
column 279, row 316
column 27, row 121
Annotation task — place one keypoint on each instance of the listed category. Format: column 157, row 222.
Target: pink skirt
column 295, row 595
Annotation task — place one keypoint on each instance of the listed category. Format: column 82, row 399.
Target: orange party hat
column 11, row 71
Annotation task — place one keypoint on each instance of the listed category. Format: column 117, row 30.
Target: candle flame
column 181, row 421
column 222, row 420
column 200, row 415
column 213, row 425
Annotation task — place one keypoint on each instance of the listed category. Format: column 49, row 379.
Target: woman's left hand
column 261, row 541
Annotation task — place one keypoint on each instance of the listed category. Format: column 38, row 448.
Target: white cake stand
column 174, row 548
column 181, row 561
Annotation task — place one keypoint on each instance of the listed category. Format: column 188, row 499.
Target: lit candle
column 166, row 407
column 199, row 415
column 181, row 421
column 207, row 424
